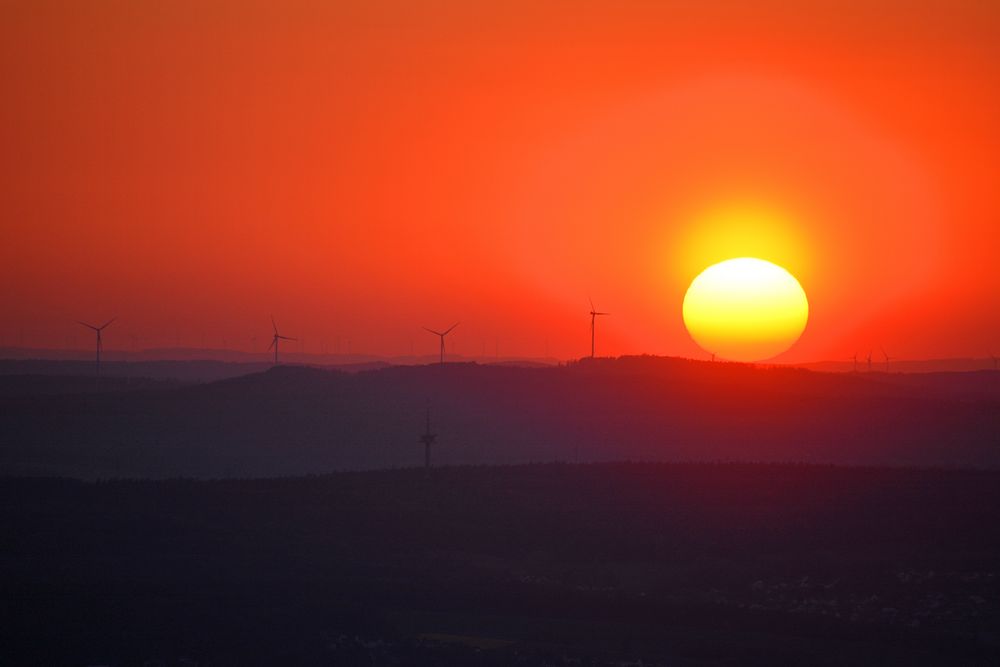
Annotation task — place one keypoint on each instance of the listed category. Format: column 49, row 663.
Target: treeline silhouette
column 538, row 564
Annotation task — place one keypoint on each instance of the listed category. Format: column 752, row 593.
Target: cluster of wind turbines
column 100, row 342
column 428, row 437
column 594, row 314
column 868, row 360
column 276, row 338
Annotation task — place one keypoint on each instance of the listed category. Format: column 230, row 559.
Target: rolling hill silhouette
column 298, row 420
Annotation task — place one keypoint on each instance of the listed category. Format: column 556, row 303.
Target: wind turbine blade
column 270, row 346
column 602, row 313
column 89, row 326
column 286, row 338
column 275, row 326
column 592, row 309
column 448, row 331
column 108, row 322
column 436, row 333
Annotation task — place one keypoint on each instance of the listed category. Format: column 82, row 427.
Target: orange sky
column 364, row 170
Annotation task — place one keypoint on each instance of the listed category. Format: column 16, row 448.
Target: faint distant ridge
column 243, row 356
column 955, row 364
column 208, row 365
column 951, row 365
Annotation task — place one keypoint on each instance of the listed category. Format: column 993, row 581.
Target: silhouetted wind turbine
column 593, row 320
column 274, row 341
column 442, row 334
column 100, row 342
column 855, row 358
column 868, row 360
column 995, row 359
column 427, row 439
column 887, row 358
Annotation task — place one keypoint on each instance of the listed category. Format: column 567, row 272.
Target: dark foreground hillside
column 295, row 420
column 599, row 564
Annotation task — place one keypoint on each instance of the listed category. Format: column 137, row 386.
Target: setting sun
column 745, row 309
column 391, row 330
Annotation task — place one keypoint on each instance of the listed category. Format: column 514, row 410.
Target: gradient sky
column 364, row 169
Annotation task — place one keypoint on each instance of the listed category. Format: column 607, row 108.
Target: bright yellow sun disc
column 745, row 309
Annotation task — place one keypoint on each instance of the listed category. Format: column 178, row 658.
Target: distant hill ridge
column 300, row 420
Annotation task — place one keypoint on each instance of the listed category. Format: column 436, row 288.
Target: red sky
column 364, row 169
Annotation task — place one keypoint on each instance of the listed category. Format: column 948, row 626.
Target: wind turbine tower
column 593, row 320
column 100, row 342
column 868, row 360
column 442, row 334
column 427, row 439
column 274, row 341
column 887, row 358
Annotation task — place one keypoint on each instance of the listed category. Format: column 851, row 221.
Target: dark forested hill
column 671, row 564
column 297, row 420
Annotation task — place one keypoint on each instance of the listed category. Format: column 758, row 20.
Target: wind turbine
column 887, row 358
column 995, row 359
column 593, row 320
column 442, row 334
column 100, row 342
column 427, row 439
column 868, row 360
column 274, row 341
column 855, row 359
